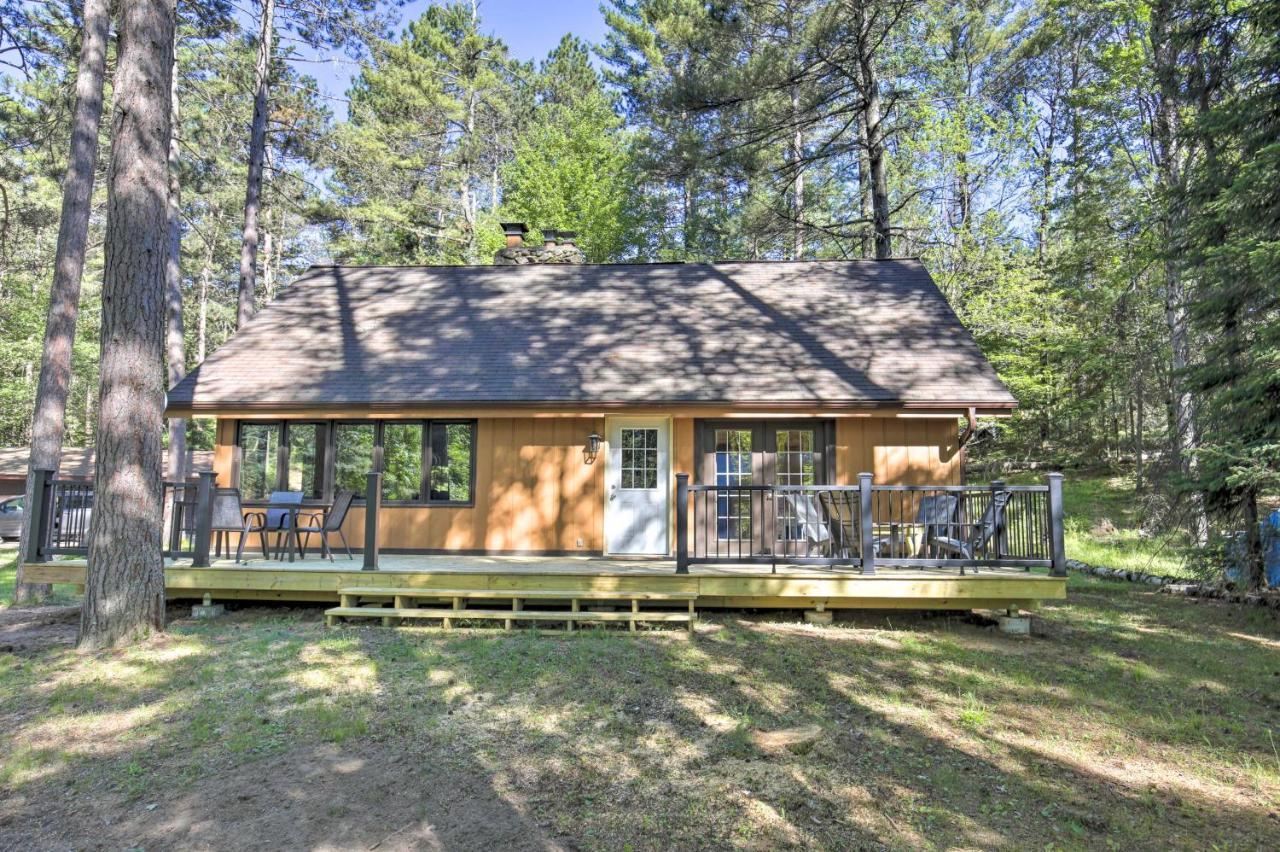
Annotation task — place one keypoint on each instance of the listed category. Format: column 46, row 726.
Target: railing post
column 682, row 523
column 204, row 519
column 372, row 503
column 1058, row 547
column 867, row 532
column 41, row 490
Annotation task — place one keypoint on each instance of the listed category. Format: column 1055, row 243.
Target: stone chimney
column 557, row 247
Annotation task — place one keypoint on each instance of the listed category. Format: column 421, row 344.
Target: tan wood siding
column 537, row 491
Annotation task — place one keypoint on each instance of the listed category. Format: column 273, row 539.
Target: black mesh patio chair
column 977, row 544
column 329, row 522
column 229, row 516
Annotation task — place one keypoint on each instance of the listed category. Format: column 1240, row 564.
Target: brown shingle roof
column 829, row 332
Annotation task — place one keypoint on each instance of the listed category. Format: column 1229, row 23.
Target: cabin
column 763, row 434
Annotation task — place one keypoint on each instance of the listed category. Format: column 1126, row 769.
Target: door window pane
column 306, row 443
column 353, row 456
column 794, row 460
column 402, row 461
column 639, row 469
column 733, row 467
column 259, row 459
column 451, row 462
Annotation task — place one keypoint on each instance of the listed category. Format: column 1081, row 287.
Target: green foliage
column 572, row 168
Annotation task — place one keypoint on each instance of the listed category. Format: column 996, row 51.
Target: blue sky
column 530, row 29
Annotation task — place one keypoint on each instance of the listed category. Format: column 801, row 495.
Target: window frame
column 330, row 456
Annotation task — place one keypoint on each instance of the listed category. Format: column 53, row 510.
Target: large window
column 259, row 459
column 402, row 461
column 353, row 447
column 305, row 471
column 452, row 461
column 421, row 461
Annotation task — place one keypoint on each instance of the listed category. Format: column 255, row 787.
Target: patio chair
column 841, row 510
column 229, row 516
column 978, row 540
column 936, row 514
column 329, row 522
column 807, row 515
column 280, row 521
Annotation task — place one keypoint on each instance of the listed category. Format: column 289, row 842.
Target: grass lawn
column 1133, row 720
column 1103, row 526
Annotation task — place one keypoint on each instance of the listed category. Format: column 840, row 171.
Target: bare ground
column 369, row 796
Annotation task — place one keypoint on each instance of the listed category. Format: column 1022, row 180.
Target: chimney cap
column 514, row 229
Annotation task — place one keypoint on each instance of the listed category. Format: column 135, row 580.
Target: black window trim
column 329, row 456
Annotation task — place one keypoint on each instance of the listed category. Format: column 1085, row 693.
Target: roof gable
column 821, row 332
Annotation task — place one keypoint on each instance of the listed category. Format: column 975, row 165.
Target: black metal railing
column 865, row 525
column 64, row 509
column 770, row 524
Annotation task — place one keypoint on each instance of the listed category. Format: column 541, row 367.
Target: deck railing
column 64, row 510
column 865, row 525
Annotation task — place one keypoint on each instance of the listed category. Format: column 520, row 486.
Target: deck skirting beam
column 890, row 588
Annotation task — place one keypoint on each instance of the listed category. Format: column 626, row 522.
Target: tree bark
column 869, row 84
column 257, row 157
column 124, row 583
column 1171, row 162
column 797, row 155
column 202, row 321
column 175, row 344
column 49, row 422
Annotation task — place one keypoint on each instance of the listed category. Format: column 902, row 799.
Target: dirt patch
column 320, row 797
column 24, row 630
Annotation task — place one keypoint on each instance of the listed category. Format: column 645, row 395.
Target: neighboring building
column 545, row 408
column 77, row 462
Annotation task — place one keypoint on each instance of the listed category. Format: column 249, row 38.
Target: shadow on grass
column 1137, row 719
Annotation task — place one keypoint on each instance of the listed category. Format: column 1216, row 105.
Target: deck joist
column 735, row 587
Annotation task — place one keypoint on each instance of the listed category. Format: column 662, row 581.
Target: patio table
column 291, row 531
column 900, row 533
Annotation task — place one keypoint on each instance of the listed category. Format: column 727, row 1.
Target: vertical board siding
column 535, row 489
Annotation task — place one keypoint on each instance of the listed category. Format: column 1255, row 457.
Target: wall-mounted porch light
column 593, row 444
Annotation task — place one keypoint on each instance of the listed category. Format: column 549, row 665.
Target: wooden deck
column 727, row 586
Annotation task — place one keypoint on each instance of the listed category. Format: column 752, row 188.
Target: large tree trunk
column 124, row 584
column 175, row 345
column 1171, row 162
column 869, row 85
column 73, row 231
column 202, row 321
column 797, row 154
column 257, row 156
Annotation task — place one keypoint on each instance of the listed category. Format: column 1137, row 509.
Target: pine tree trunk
column 797, row 154
column 175, row 345
column 257, row 157
column 124, row 583
column 49, row 421
column 1171, row 162
column 869, row 84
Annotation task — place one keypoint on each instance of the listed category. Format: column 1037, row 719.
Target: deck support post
column 372, row 504
column 1058, row 547
column 682, row 523
column 867, row 528
column 204, row 519
column 41, row 491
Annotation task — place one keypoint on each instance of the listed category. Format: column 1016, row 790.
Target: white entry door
column 639, row 487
